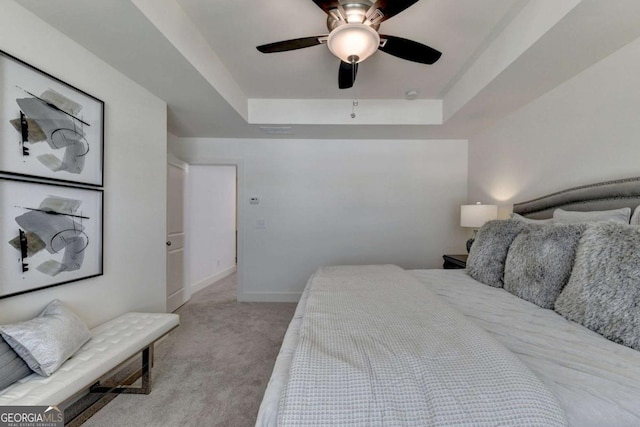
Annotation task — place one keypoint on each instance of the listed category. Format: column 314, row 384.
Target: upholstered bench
column 113, row 343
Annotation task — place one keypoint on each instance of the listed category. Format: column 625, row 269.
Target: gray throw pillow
column 540, row 260
column 603, row 293
column 489, row 251
column 635, row 217
column 12, row 367
column 47, row 341
column 622, row 215
column 531, row 220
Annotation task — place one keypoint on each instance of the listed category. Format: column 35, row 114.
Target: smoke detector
column 411, row 94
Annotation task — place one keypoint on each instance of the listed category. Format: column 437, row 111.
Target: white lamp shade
column 474, row 216
column 353, row 40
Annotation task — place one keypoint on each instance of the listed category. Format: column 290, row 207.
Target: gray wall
column 327, row 202
column 135, row 178
column 584, row 131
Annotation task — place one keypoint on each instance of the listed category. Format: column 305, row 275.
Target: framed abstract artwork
column 48, row 129
column 50, row 234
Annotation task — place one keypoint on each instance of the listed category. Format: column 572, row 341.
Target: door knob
column 168, row 242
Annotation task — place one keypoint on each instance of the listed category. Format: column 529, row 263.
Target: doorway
column 212, row 224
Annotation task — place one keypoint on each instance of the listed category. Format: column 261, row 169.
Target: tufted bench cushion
column 113, row 343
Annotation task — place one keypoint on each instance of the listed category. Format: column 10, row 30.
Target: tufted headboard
column 593, row 197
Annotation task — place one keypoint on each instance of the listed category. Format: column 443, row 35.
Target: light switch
column 260, row 224
column 254, row 200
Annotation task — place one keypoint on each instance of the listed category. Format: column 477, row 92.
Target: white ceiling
column 200, row 57
column 234, row 28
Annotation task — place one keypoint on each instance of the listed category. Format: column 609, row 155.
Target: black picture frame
column 50, row 234
column 48, row 128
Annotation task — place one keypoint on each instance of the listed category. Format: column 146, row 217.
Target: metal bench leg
column 145, row 388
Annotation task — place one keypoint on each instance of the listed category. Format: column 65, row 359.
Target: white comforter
column 377, row 348
column 596, row 381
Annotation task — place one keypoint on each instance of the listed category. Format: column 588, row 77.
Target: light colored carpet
column 213, row 369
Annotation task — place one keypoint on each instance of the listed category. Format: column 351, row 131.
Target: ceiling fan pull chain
column 354, row 104
column 353, row 70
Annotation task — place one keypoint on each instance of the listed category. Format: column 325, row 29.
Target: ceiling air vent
column 277, row 130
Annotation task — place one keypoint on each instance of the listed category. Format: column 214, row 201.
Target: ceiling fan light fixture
column 353, row 42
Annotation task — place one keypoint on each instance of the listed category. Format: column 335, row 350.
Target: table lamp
column 474, row 216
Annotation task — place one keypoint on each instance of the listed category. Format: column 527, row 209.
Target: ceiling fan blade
column 293, row 44
column 409, row 50
column 390, row 8
column 327, row 5
column 347, row 75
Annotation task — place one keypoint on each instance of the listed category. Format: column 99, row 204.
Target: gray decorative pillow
column 531, row 220
column 635, row 217
column 12, row 367
column 603, row 293
column 539, row 262
column 574, row 217
column 48, row 340
column 489, row 251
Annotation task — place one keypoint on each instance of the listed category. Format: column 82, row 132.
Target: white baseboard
column 175, row 301
column 198, row 286
column 270, row 297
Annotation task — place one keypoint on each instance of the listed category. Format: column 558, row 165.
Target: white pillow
column 635, row 218
column 47, row 341
column 574, row 217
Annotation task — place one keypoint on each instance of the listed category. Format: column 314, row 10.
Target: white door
column 176, row 292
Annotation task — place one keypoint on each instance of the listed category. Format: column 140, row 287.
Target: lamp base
column 469, row 243
column 471, row 240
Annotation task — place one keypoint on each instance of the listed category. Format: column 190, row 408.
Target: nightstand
column 454, row 261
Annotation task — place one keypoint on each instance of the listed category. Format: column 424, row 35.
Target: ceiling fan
column 353, row 36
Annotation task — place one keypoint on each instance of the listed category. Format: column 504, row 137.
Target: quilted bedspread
column 378, row 349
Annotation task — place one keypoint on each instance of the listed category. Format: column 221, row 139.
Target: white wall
column 211, row 224
column 584, row 131
column 135, row 177
column 328, row 202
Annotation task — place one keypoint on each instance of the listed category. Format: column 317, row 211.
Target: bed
column 378, row 345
